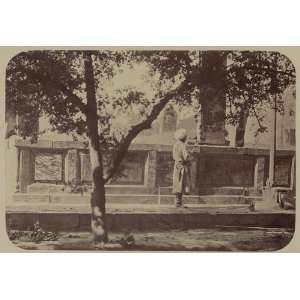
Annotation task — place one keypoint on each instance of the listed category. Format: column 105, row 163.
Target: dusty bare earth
column 216, row 239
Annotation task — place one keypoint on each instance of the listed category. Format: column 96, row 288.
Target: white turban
column 180, row 134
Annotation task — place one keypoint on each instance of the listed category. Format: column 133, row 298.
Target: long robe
column 181, row 174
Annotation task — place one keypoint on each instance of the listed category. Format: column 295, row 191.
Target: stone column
column 200, row 174
column 72, row 166
column 193, row 172
column 85, row 167
column 212, row 99
column 150, row 170
column 259, row 173
column 293, row 174
column 25, row 169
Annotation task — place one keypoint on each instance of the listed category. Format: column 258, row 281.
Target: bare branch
column 261, row 127
column 144, row 124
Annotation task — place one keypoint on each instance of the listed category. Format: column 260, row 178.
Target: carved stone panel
column 214, row 171
column 283, row 171
column 48, row 167
column 132, row 169
column 165, row 166
column 86, row 173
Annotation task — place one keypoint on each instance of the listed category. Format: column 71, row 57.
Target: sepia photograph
column 150, row 150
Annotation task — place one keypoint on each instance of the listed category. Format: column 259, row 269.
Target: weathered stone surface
column 86, row 173
column 150, row 166
column 209, row 149
column 71, row 200
column 48, row 167
column 48, row 144
column 44, row 144
column 165, row 165
column 213, row 99
column 45, row 188
column 25, row 172
column 141, row 221
column 226, row 171
column 132, row 169
column 21, row 221
column 150, row 169
column 30, row 198
column 283, row 171
column 201, row 165
column 193, row 172
column 54, row 221
column 259, row 173
column 72, row 166
column 293, row 174
column 68, row 145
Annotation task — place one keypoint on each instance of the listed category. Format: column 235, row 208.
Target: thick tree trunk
column 98, row 225
column 199, row 126
column 241, row 128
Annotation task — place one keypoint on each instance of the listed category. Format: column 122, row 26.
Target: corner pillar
column 150, row 170
column 293, row 174
column 193, row 172
column 25, row 176
column 259, row 173
column 72, row 166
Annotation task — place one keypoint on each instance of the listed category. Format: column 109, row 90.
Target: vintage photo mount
column 196, row 149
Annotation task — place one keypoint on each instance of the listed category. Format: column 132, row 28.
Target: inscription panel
column 85, row 164
column 282, row 171
column 48, row 167
column 165, row 166
column 131, row 170
column 226, row 171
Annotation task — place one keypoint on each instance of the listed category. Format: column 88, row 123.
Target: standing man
column 181, row 175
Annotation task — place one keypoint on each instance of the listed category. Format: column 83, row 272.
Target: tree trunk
column 98, row 225
column 199, row 125
column 241, row 128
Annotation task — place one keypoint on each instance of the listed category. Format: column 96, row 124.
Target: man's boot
column 178, row 200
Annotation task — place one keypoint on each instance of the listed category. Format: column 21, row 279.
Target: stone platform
column 128, row 198
column 143, row 217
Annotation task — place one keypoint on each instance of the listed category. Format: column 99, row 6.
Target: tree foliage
column 53, row 83
column 254, row 78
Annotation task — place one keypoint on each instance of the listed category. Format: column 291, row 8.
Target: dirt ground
column 215, row 239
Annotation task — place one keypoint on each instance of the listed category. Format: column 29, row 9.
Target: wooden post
column 273, row 146
column 293, row 174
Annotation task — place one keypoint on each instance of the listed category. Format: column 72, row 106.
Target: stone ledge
column 133, row 199
column 202, row 149
column 134, row 221
column 48, row 144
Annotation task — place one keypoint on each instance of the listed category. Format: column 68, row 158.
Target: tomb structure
column 48, row 166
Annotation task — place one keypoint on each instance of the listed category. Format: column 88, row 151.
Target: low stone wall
column 48, row 167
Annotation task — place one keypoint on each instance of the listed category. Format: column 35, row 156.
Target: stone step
column 147, row 220
column 134, row 198
column 46, row 188
column 216, row 191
